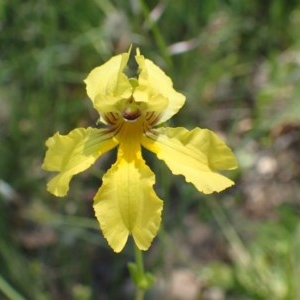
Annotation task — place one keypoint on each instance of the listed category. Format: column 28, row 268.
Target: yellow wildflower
column 130, row 108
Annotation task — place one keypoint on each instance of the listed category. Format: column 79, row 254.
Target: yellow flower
column 130, row 108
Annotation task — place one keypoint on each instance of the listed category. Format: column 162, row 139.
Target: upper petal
column 156, row 87
column 107, row 84
column 195, row 154
column 127, row 204
column 73, row 153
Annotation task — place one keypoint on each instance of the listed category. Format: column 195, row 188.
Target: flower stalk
column 143, row 281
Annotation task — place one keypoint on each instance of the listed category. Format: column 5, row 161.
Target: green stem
column 139, row 260
column 140, row 270
column 143, row 281
column 140, row 294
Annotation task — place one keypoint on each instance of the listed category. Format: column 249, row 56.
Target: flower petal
column 154, row 84
column 107, row 84
column 73, row 153
column 195, row 154
column 126, row 204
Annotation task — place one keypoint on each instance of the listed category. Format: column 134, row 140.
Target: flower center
column 131, row 111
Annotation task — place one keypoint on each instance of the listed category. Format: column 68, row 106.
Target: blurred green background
column 238, row 63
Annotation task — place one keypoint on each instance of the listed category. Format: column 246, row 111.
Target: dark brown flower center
column 131, row 111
